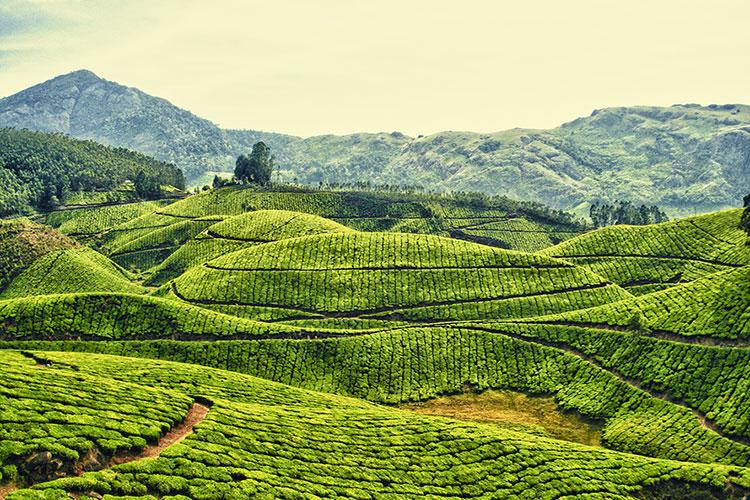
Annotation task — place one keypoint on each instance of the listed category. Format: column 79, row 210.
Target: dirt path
column 196, row 415
column 7, row 489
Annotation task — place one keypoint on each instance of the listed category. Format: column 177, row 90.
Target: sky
column 341, row 66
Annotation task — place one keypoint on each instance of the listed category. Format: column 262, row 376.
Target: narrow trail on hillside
column 149, row 249
column 705, row 422
column 195, row 415
column 644, row 256
column 403, row 267
column 704, row 340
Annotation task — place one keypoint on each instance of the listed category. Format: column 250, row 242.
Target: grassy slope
column 148, row 240
column 70, row 271
column 647, row 258
column 419, row 363
column 354, row 274
column 83, row 222
column 22, row 242
column 238, row 232
column 318, row 445
column 107, row 316
column 657, row 396
column 716, row 306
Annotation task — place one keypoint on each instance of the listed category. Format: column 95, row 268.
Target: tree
column 745, row 219
column 638, row 323
column 48, row 199
column 146, row 186
column 217, row 183
column 256, row 168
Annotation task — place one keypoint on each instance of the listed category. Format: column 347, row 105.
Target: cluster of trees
column 40, row 170
column 625, row 212
column 256, row 168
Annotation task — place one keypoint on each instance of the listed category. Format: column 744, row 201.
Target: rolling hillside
column 267, row 337
column 189, row 226
column 686, row 158
column 312, row 444
column 22, row 242
column 644, row 259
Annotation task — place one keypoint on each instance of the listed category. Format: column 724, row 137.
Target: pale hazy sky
column 322, row 66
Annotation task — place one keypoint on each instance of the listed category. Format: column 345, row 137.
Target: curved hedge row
column 365, row 274
column 238, row 232
column 70, row 414
column 265, row 439
column 713, row 380
column 419, row 363
column 106, row 316
column 660, row 254
column 717, row 306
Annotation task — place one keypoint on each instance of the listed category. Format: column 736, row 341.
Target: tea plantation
column 244, row 343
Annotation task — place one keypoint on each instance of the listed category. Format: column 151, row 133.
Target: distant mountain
column 85, row 106
column 685, row 157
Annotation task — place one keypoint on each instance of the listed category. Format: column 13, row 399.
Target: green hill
column 69, row 271
column 108, row 316
column 146, row 241
column 288, row 324
column 39, row 170
column 713, row 307
column 386, row 276
column 311, row 444
column 238, row 232
column 644, row 259
column 85, row 222
column 22, row 242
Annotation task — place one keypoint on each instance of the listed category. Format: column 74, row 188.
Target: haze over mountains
column 685, row 157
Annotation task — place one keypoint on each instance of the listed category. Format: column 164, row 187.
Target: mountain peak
column 78, row 77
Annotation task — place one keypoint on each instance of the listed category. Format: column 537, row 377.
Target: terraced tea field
column 242, row 343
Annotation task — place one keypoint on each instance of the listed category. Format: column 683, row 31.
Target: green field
column 246, row 343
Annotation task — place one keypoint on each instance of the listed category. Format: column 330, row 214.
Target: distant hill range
column 686, row 158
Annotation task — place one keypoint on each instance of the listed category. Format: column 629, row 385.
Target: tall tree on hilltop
column 256, row 168
column 745, row 220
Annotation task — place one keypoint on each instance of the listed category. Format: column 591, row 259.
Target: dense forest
column 40, row 170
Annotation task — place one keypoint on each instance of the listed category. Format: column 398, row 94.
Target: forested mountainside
column 42, row 170
column 686, row 158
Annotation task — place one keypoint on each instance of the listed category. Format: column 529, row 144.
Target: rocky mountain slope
column 687, row 158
